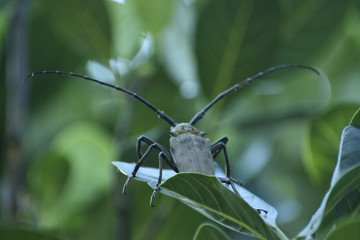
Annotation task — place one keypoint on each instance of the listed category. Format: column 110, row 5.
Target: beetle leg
column 158, row 146
column 141, row 139
column 141, row 161
column 142, row 157
column 162, row 156
column 216, row 148
column 137, row 166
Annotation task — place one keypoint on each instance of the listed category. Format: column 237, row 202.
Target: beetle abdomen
column 192, row 153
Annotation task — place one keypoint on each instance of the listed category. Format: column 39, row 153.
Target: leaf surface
column 215, row 200
column 210, row 232
column 343, row 196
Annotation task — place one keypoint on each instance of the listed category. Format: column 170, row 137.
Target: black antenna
column 200, row 114
column 159, row 113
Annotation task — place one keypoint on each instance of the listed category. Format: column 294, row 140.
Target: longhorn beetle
column 189, row 150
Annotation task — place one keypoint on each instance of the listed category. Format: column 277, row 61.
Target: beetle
column 190, row 150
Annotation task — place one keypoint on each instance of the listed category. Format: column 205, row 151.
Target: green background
column 59, row 134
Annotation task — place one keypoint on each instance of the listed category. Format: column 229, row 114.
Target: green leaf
column 321, row 143
column 233, row 41
column 342, row 197
column 208, row 196
column 25, row 234
column 322, row 21
column 348, row 229
column 355, row 121
column 344, row 190
column 84, row 151
column 248, row 201
column 349, row 153
column 150, row 176
column 208, row 231
column 77, row 24
column 236, row 39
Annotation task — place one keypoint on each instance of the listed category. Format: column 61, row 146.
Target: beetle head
column 185, row 128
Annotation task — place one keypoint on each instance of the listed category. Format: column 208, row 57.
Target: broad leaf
column 85, row 34
column 207, row 195
column 346, row 230
column 321, row 144
column 321, row 21
column 237, row 38
column 78, row 153
column 237, row 213
column 210, row 232
column 355, row 121
column 342, row 197
column 232, row 43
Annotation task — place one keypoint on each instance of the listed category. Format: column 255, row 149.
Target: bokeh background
column 60, row 134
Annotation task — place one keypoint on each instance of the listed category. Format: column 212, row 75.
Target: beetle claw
column 126, row 184
column 235, row 181
column 230, row 181
column 153, row 196
column 262, row 211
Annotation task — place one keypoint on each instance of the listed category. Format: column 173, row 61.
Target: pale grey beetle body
column 189, row 150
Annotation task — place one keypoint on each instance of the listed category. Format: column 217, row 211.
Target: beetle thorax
column 185, row 128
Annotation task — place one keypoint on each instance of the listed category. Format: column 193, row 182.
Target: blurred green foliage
column 284, row 129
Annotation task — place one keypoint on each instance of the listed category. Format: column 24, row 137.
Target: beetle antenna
column 159, row 113
column 200, row 114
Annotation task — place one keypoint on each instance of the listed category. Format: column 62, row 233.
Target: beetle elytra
column 190, row 150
